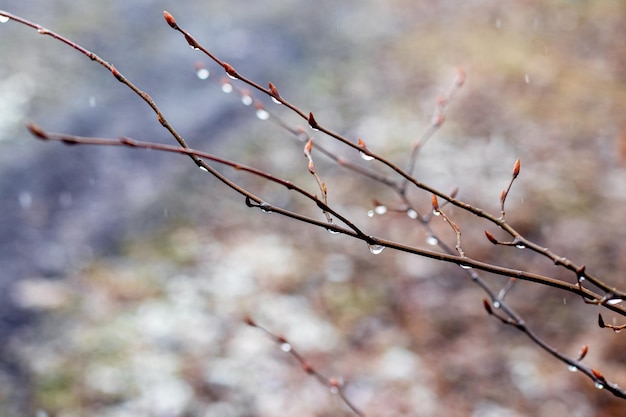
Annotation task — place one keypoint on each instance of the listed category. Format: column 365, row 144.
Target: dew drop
column 432, row 240
column 599, row 385
column 203, row 73
column 262, row 114
column 195, row 48
column 4, row 19
column 376, row 249
column 412, row 214
column 366, row 157
column 246, row 100
column 285, row 347
column 465, row 266
column 227, row 88
column 232, row 77
column 614, row 301
column 370, row 213
column 497, row 304
column 333, row 232
column 203, row 168
column 380, row 210
column 581, row 278
column 572, row 368
column 436, row 213
column 520, row 246
column 276, row 101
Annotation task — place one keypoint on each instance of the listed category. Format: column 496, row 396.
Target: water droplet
column 232, row 77
column 436, row 213
column 4, row 19
column 195, row 48
column 203, row 73
column 26, row 199
column 412, row 214
column 246, row 100
column 599, row 385
column 465, row 266
column 262, row 114
column 380, row 210
column 203, row 168
column 581, row 278
column 333, row 232
column 572, row 368
column 497, row 304
column 432, row 240
column 366, row 157
column 614, row 301
column 370, row 213
column 285, row 347
column 227, row 88
column 520, row 246
column 376, row 249
column 276, row 101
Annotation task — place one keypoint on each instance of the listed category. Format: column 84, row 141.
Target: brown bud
column 502, row 196
column 583, row 352
column 598, row 375
column 311, row 167
column 308, row 147
column 313, row 122
column 601, row 321
column 460, row 77
column 116, row 73
column 307, row 368
column 248, row 320
column 361, row 144
column 435, row 203
column 274, row 91
column 487, row 306
column 516, row 168
column 170, row 19
column 230, row 70
column 491, row 238
column 36, row 131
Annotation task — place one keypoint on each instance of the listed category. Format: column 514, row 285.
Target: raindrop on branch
column 285, row 347
column 380, row 210
column 4, row 19
column 432, row 240
column 412, row 214
column 376, row 249
column 599, row 385
column 366, row 157
column 572, row 368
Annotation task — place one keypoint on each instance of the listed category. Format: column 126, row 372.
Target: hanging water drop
column 581, row 278
column 497, row 304
column 572, row 368
column 412, row 214
column 262, row 114
column 203, row 168
column 246, row 100
column 370, row 213
column 436, row 213
column 365, row 157
column 465, row 266
column 614, row 301
column 380, row 210
column 520, row 246
column 227, row 88
column 599, row 385
column 4, row 19
column 275, row 100
column 376, row 249
column 285, row 347
column 432, row 240
column 203, row 73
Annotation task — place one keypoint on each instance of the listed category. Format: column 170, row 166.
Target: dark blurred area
column 125, row 273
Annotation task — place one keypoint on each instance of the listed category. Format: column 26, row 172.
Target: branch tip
column 312, row 122
column 491, row 238
column 516, row 168
column 36, row 131
column 170, row 19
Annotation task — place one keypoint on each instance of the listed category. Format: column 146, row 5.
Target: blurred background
column 126, row 274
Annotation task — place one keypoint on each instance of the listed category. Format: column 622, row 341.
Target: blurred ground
column 125, row 274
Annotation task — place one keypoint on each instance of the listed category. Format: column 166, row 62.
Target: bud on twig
column 313, row 122
column 274, row 91
column 583, row 353
column 516, row 168
column 170, row 19
column 435, row 203
column 230, row 70
column 36, row 131
column 601, row 321
column 487, row 306
column 491, row 238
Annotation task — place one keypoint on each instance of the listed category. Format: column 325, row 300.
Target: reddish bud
column 230, row 70
column 583, row 352
column 601, row 321
column 487, row 306
column 435, row 203
column 460, row 77
column 598, row 375
column 36, row 131
column 308, row 147
column 491, row 238
column 311, row 167
column 334, row 382
column 248, row 320
column 307, row 368
column 361, row 144
column 281, row 339
column 170, row 19
column 313, row 122
column 502, row 196
column 516, row 168
column 116, row 73
column 274, row 91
